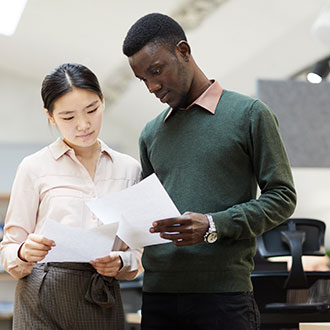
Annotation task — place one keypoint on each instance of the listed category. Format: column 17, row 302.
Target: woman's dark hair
column 153, row 28
column 63, row 79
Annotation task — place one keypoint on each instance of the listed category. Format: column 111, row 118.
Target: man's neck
column 199, row 85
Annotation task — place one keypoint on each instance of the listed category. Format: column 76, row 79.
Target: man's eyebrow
column 152, row 65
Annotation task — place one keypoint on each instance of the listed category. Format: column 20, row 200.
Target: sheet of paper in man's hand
column 76, row 244
column 136, row 208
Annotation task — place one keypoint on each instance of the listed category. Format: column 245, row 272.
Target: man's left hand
column 187, row 229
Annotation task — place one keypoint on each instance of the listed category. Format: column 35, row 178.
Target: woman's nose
column 83, row 123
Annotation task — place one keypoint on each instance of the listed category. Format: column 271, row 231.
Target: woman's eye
column 68, row 118
column 92, row 110
column 156, row 72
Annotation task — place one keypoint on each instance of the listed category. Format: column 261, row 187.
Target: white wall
column 21, row 111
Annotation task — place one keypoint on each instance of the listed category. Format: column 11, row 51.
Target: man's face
column 167, row 75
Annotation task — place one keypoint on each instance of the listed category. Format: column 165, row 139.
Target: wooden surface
column 314, row 326
column 6, row 276
column 5, row 316
column 6, row 311
column 133, row 318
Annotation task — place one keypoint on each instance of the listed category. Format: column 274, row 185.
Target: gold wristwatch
column 211, row 234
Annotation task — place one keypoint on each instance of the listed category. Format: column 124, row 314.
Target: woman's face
column 78, row 117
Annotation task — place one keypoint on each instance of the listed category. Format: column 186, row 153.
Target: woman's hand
column 35, row 248
column 109, row 265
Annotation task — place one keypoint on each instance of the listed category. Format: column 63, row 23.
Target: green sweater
column 213, row 164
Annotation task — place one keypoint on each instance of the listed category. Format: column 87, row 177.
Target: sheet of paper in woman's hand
column 76, row 244
column 136, row 207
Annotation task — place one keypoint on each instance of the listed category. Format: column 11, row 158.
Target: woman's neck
column 85, row 152
column 88, row 156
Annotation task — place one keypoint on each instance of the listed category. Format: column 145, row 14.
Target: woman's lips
column 85, row 135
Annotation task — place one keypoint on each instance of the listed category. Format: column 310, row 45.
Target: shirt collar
column 58, row 148
column 208, row 100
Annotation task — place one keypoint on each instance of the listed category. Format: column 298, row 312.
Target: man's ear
column 50, row 118
column 183, row 49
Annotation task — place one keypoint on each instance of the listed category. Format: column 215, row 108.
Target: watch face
column 211, row 238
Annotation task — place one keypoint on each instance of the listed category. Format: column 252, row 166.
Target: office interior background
column 238, row 42
column 262, row 48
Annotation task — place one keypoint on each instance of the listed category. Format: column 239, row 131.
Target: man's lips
column 163, row 97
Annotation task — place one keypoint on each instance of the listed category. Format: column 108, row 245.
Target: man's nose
column 153, row 86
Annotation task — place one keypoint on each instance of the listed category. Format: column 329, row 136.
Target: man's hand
column 35, row 248
column 109, row 265
column 187, row 229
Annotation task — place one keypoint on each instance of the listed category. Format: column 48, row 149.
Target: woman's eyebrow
column 66, row 112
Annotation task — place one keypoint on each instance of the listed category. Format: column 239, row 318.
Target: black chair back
column 295, row 237
column 274, row 285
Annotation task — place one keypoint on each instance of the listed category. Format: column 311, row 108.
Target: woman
column 53, row 184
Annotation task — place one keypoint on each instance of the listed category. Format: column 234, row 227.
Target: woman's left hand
column 109, row 265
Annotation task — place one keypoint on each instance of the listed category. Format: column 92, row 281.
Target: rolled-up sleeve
column 20, row 221
column 131, row 258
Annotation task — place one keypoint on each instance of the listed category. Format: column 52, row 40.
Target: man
column 210, row 149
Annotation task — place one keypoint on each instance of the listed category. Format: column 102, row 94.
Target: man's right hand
column 35, row 248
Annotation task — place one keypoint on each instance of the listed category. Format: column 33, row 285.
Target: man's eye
column 156, row 72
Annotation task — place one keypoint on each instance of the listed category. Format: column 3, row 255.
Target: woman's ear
column 183, row 49
column 50, row 117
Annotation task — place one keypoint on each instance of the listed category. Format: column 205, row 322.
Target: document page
column 136, row 208
column 78, row 245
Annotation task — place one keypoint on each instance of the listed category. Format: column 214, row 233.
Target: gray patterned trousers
column 61, row 296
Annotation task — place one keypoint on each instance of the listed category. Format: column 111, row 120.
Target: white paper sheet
column 136, row 208
column 78, row 245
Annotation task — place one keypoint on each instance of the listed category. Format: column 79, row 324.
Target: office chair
column 272, row 285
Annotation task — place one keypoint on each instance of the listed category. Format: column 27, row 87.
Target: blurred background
column 241, row 43
column 234, row 41
column 262, row 48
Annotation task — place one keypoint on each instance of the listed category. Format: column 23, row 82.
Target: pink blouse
column 53, row 184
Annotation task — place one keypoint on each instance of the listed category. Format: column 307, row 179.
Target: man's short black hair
column 155, row 28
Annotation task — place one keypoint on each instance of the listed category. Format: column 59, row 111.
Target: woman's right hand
column 35, row 248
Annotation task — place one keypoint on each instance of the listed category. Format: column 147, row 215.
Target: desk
column 5, row 276
column 314, row 326
column 6, row 311
column 133, row 320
